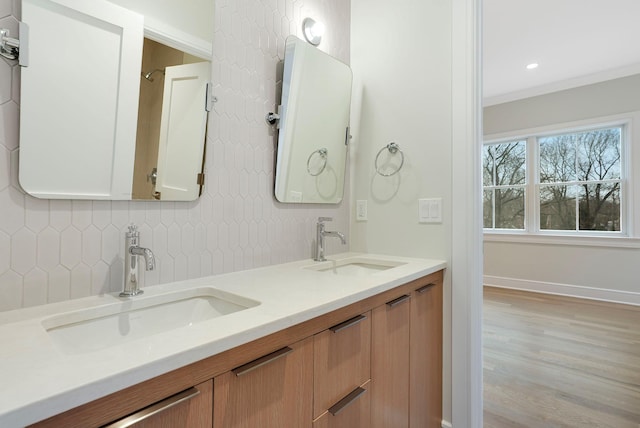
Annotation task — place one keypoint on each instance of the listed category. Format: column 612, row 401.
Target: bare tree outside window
column 580, row 181
column 504, row 178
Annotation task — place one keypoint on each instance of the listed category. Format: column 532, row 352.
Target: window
column 569, row 182
column 504, row 178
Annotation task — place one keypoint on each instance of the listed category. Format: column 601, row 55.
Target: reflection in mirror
column 314, row 126
column 79, row 105
column 169, row 149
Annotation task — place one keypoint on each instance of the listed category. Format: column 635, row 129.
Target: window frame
column 532, row 231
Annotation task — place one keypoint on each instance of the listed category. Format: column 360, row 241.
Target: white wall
column 59, row 250
column 401, row 59
column 568, row 266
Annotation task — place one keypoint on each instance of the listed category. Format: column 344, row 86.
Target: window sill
column 577, row 241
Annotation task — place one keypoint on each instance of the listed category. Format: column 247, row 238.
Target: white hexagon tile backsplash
column 54, row 250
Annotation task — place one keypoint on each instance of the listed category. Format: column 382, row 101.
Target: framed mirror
column 80, row 93
column 314, row 126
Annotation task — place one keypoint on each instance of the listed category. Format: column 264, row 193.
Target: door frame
column 466, row 257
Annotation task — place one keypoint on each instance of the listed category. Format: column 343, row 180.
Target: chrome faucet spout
column 320, row 235
column 149, row 258
column 337, row 235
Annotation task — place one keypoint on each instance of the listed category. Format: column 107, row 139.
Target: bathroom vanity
column 355, row 341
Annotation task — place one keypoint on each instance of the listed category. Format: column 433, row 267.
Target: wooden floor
column 552, row 361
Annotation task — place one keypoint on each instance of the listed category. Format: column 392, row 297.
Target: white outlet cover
column 361, row 210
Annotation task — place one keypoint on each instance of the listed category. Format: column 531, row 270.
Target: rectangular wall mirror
column 314, row 126
column 107, row 113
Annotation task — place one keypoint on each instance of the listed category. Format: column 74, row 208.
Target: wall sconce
column 313, row 31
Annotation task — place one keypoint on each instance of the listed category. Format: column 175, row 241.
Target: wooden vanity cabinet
column 425, row 357
column 342, row 372
column 273, row 391
column 406, row 367
column 390, row 363
column 342, row 356
column 373, row 363
column 190, row 408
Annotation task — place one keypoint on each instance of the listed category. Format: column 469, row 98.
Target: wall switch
column 361, row 210
column 430, row 210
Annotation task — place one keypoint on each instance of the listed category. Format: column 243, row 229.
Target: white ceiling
column 576, row 42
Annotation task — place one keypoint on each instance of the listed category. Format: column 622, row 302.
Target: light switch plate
column 361, row 210
column 430, row 210
column 295, row 196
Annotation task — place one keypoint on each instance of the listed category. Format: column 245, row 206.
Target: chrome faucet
column 320, row 234
column 131, row 270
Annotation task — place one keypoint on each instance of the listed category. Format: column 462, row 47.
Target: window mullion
column 493, row 204
column 576, row 187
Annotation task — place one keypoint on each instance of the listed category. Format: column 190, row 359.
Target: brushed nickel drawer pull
column 252, row 365
column 346, row 401
column 348, row 323
column 425, row 288
column 396, row 302
column 154, row 409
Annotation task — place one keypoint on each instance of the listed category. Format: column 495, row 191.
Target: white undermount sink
column 138, row 317
column 354, row 266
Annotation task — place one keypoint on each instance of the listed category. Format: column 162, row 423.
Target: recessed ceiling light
column 532, row 66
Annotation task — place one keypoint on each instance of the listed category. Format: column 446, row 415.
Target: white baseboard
column 446, row 424
column 615, row 296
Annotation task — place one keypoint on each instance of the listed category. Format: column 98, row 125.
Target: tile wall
column 54, row 250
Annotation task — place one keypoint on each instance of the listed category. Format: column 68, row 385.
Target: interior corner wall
column 401, row 59
column 612, row 271
column 402, row 93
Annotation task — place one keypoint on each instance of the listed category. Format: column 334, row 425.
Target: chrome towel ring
column 323, row 153
column 393, row 149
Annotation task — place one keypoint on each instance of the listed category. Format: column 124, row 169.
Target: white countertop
column 39, row 379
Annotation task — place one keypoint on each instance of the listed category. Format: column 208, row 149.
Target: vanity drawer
column 342, row 361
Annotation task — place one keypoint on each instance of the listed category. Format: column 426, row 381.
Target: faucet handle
column 133, row 230
column 321, row 219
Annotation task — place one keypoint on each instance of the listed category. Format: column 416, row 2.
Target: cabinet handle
column 346, row 401
column 396, row 302
column 348, row 323
column 250, row 366
column 154, row 409
column 425, row 288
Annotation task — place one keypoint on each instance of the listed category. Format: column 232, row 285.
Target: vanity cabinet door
column 342, row 357
column 426, row 356
column 273, row 391
column 190, row 408
column 351, row 411
column 390, row 363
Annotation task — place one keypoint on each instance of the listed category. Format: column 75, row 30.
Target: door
column 182, row 135
column 96, row 121
column 390, row 364
column 425, row 408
